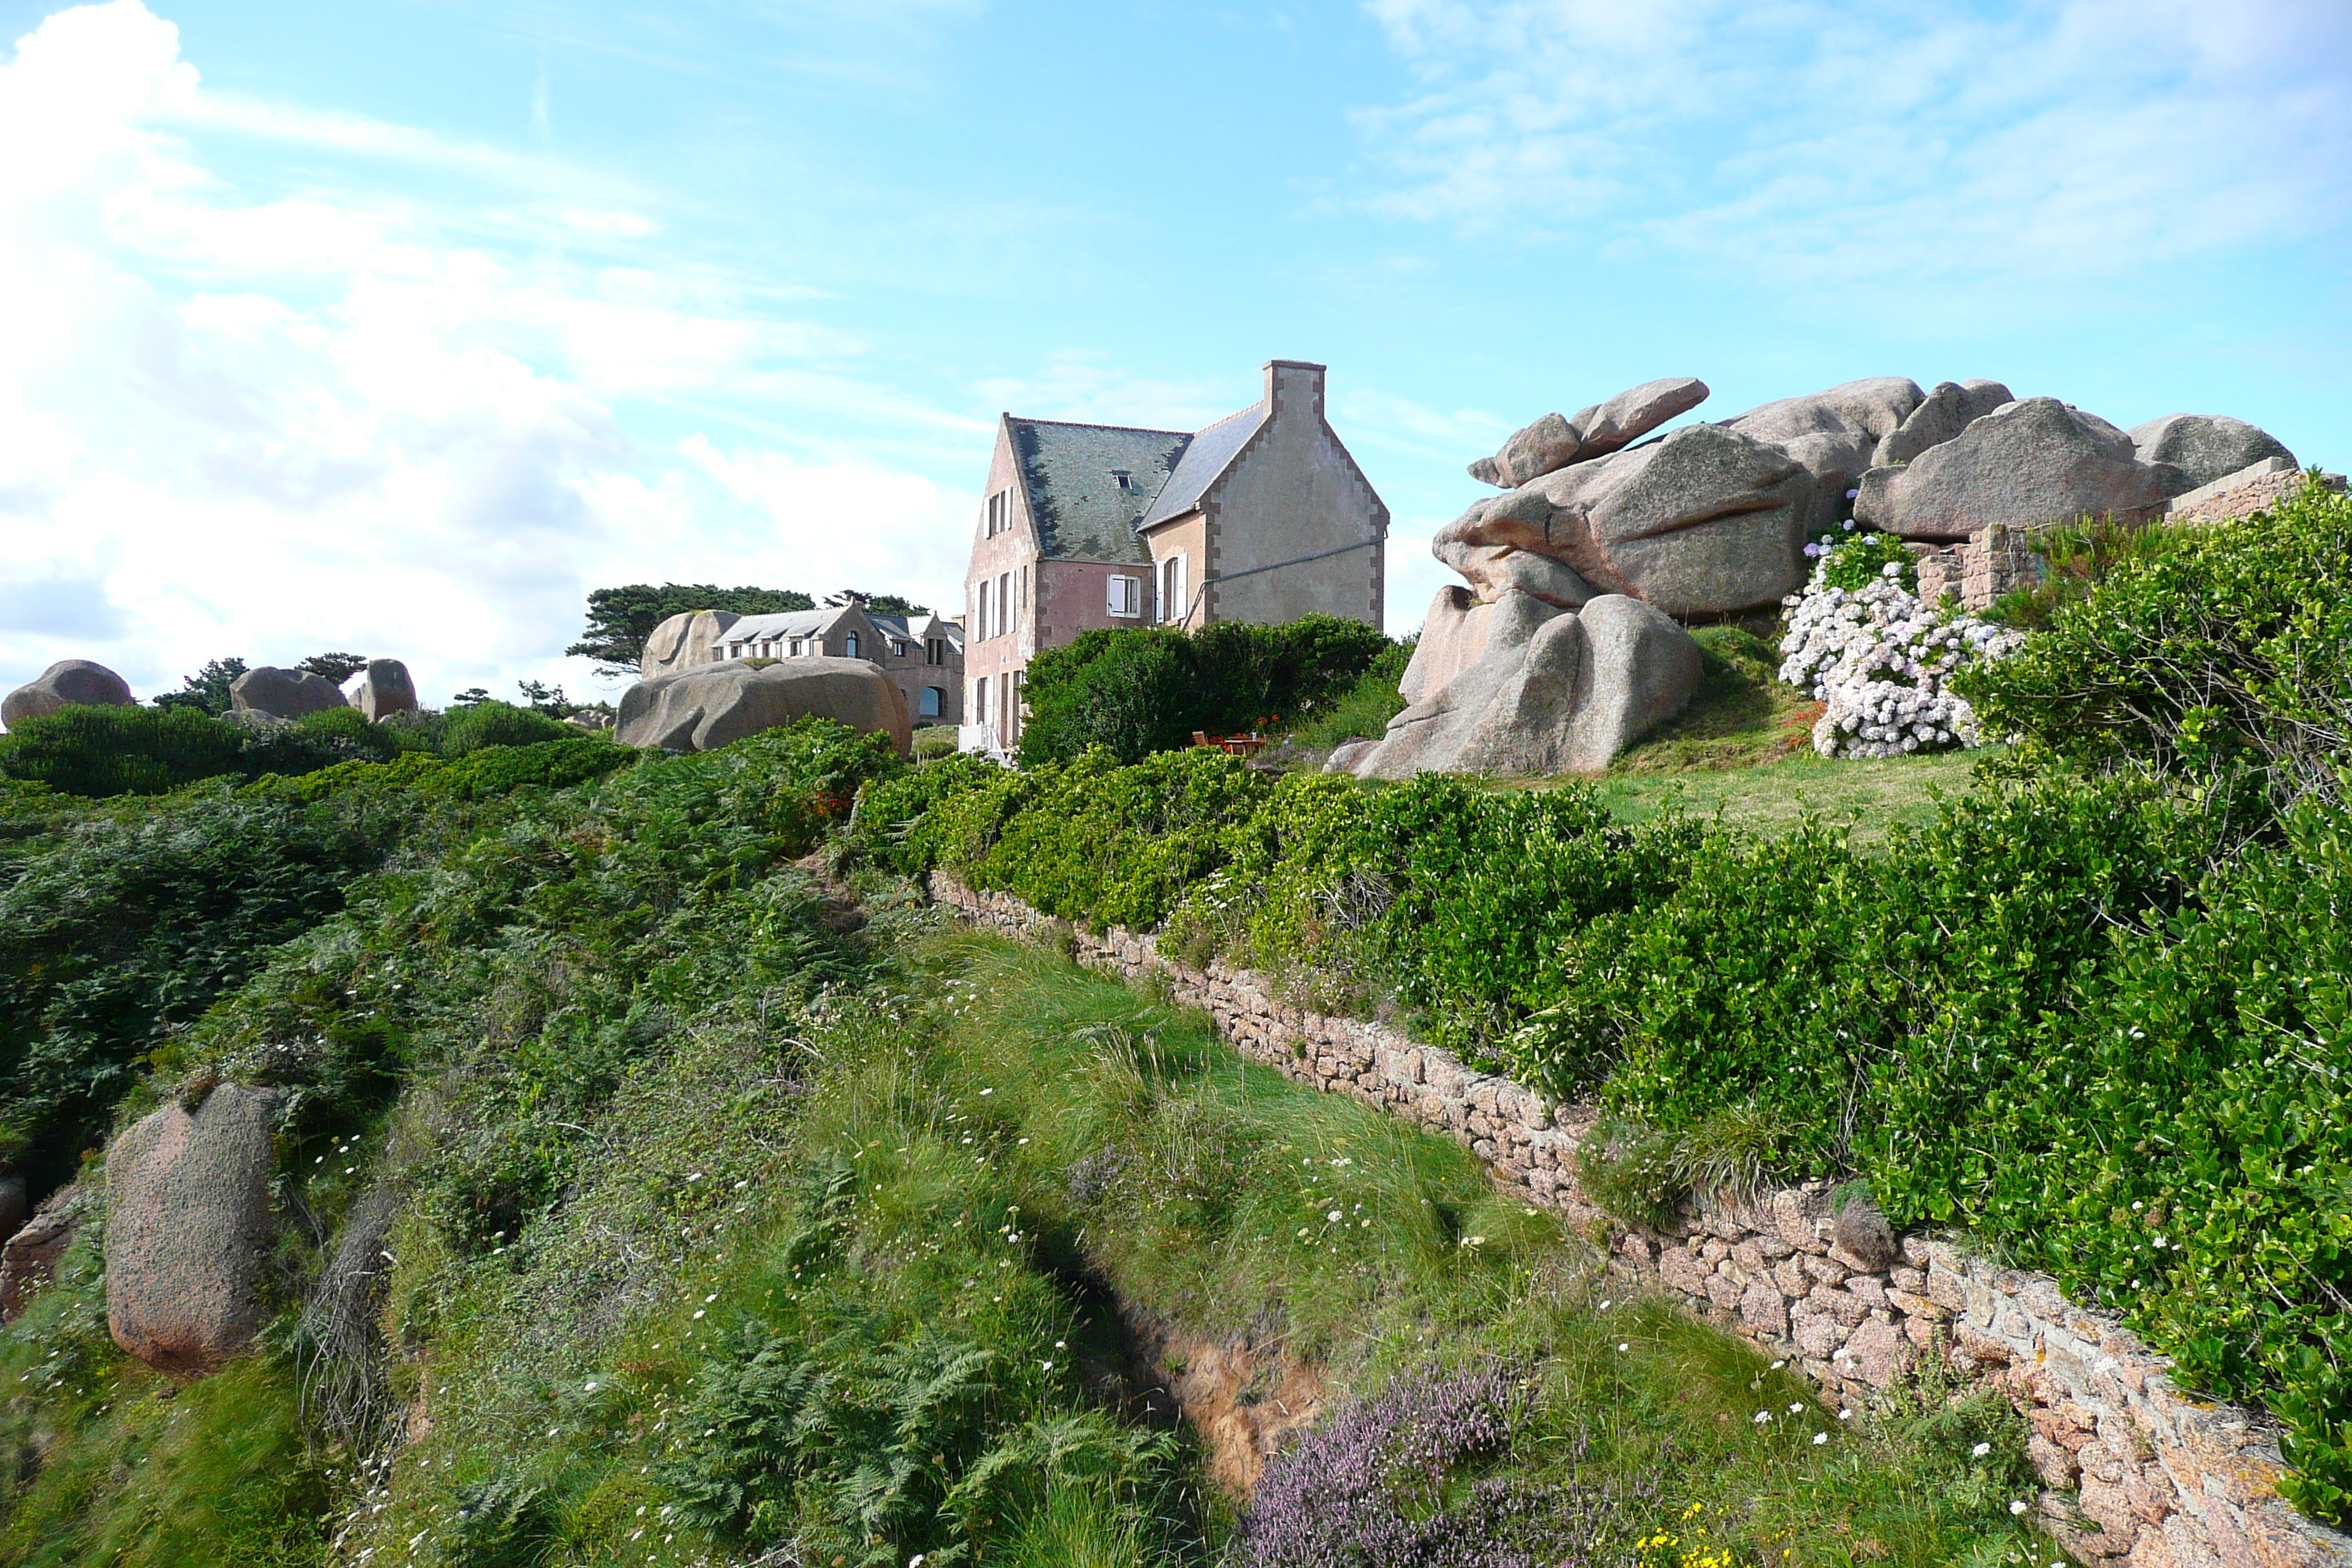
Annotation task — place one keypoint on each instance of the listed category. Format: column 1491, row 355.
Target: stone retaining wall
column 2139, row 1471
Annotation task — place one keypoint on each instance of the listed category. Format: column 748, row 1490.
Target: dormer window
column 1124, row 480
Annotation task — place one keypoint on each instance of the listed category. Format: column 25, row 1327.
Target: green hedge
column 1144, row 690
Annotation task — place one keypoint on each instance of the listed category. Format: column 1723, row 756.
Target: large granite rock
column 188, row 1230
column 1555, row 441
column 2205, row 447
column 1707, row 520
column 685, row 641
column 381, row 690
column 2026, row 464
column 705, row 707
column 1551, row 691
column 1950, row 408
column 67, row 681
column 283, row 693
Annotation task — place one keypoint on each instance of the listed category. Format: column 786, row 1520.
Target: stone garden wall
column 2139, row 1471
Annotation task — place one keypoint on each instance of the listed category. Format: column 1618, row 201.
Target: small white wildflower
column 2016, row 1506
column 1819, row 1438
column 1981, row 1450
column 1796, row 1410
column 1762, row 1417
column 1626, row 1344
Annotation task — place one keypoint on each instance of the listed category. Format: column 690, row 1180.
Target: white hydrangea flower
column 1879, row 661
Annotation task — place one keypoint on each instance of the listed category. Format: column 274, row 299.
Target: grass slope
column 1000, row 1156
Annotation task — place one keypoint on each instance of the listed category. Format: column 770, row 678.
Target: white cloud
column 1090, row 387
column 268, row 423
column 1828, row 140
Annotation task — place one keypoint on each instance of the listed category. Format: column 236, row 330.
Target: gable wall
column 1294, row 492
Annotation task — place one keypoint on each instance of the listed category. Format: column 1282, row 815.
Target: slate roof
column 1205, row 458
column 785, row 624
column 1080, row 512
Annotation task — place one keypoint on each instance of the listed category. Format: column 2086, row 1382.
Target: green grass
column 1743, row 749
column 1774, row 798
column 1022, row 1154
column 108, row 1462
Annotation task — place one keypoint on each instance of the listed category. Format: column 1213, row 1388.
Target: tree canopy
column 876, row 603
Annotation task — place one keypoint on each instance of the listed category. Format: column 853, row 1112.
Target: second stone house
column 1262, row 517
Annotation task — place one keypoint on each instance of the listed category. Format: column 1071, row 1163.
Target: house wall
column 1074, row 597
column 999, row 657
column 1295, row 492
column 1189, row 536
column 911, row 674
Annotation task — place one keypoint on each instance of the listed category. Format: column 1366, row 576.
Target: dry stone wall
column 2139, row 1472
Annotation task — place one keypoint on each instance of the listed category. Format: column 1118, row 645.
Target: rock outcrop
column 29, row 1259
column 1555, row 441
column 1522, row 686
column 283, row 693
column 683, row 642
column 381, row 690
column 66, row 682
column 710, row 706
column 1710, row 520
column 1950, row 408
column 2033, row 462
column 2206, row 447
column 188, row 1230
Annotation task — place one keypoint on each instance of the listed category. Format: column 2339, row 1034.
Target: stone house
column 1262, row 517
column 923, row 655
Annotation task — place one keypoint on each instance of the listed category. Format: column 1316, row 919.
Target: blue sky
column 397, row 327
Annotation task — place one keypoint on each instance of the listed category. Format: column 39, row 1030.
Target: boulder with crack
column 381, row 689
column 1522, row 686
column 703, row 708
column 283, row 693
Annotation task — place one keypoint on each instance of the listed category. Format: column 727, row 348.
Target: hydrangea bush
column 1861, row 642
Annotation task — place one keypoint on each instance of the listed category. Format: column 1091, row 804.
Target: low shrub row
column 101, row 751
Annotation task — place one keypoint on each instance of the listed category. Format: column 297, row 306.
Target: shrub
column 494, row 723
column 2228, row 649
column 1393, row 1482
column 1862, row 643
column 1363, row 710
column 1144, row 690
column 130, row 929
column 100, row 750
